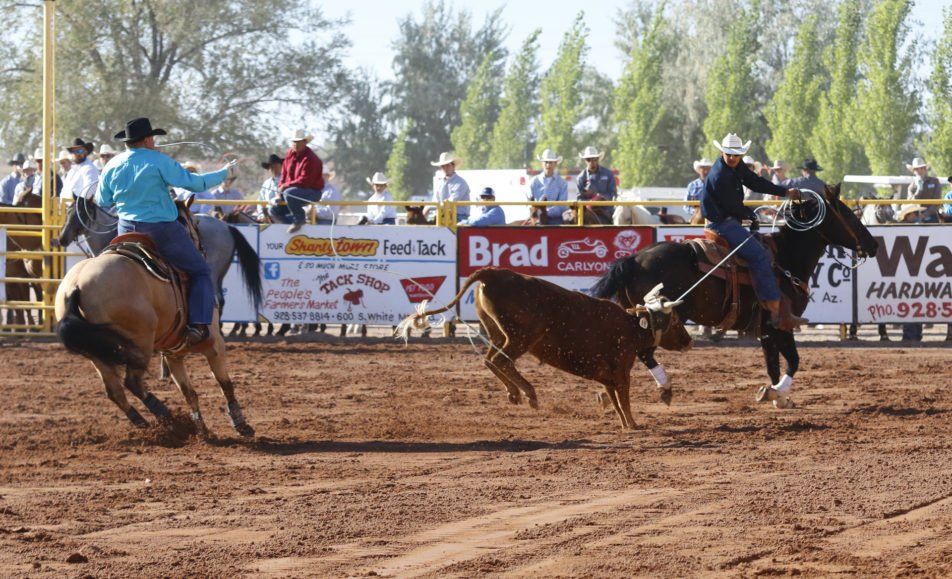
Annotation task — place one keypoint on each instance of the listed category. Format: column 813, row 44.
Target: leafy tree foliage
column 399, row 163
column 512, row 134
column 478, row 115
column 938, row 145
column 559, row 93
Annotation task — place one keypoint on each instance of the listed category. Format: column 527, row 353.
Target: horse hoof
column 783, row 403
column 245, row 430
column 666, row 395
column 515, row 399
column 533, row 403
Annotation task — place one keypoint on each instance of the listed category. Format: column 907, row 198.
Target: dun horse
column 796, row 256
column 115, row 312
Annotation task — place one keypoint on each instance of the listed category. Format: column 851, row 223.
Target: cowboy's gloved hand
column 793, row 194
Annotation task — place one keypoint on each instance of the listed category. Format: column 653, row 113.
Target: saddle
column 141, row 249
column 710, row 251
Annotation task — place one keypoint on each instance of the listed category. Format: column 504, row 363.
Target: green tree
column 731, row 86
column 794, row 107
column 834, row 142
column 359, row 133
column 886, row 101
column 938, row 145
column 597, row 125
column 206, row 71
column 434, row 62
column 399, row 164
column 640, row 107
column 478, row 113
column 512, row 133
column 559, row 93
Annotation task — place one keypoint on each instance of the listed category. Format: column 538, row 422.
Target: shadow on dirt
column 392, row 446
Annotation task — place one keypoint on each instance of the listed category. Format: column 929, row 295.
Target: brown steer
column 591, row 338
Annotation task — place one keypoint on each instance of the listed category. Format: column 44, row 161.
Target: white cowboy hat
column 907, row 210
column 64, row 156
column 190, row 166
column 445, row 159
column 105, row 149
column 378, row 179
column 38, row 154
column 28, row 165
column 748, row 160
column 300, row 135
column 549, row 155
column 705, row 162
column 778, row 164
column 591, row 153
column 916, row 163
column 732, row 145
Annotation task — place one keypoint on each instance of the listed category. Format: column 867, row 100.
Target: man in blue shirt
column 9, row 184
column 696, row 187
column 595, row 178
column 137, row 181
column 722, row 204
column 489, row 214
column 550, row 186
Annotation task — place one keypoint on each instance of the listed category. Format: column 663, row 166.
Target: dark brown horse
column 796, row 256
column 591, row 214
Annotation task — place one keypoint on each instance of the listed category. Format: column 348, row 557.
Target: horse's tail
column 96, row 341
column 621, row 273
column 418, row 319
column 250, row 266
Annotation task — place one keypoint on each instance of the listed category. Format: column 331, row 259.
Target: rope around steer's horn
column 659, row 312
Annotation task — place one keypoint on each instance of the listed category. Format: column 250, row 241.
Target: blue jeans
column 757, row 256
column 176, row 246
column 296, row 198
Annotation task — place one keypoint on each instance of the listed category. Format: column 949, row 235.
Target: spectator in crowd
column 750, row 194
column 38, row 179
column 947, row 208
column 327, row 214
column 722, row 205
column 269, row 188
column 106, row 153
column 65, row 162
column 380, row 214
column 488, row 214
column 912, row 332
column 83, row 175
column 227, row 192
column 8, row 186
column 25, row 186
column 302, row 180
column 807, row 178
column 138, row 182
column 595, row 179
column 182, row 193
column 451, row 187
column 778, row 172
column 548, row 186
column 924, row 187
column 702, row 168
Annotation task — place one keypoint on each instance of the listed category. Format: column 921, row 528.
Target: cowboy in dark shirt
column 722, row 204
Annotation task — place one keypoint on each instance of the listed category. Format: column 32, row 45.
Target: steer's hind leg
column 497, row 341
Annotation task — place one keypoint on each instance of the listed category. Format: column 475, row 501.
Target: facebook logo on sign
column 272, row 270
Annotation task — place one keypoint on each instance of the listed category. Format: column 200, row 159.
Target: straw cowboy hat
column 908, row 210
column 190, row 166
column 138, row 129
column 105, row 149
column 732, row 145
column 38, row 154
column 916, row 163
column 549, row 156
column 591, row 153
column 300, row 135
column 81, row 145
column 778, row 164
column 64, row 156
column 378, row 179
column 271, row 160
column 705, row 162
column 445, row 159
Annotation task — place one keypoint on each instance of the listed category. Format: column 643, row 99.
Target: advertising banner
column 909, row 279
column 831, row 285
column 354, row 274
column 571, row 257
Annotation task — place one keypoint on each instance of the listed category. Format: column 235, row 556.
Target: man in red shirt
column 302, row 179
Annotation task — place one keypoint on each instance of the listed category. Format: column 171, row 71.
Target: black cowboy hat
column 17, row 160
column 811, row 165
column 78, row 143
column 272, row 160
column 138, row 129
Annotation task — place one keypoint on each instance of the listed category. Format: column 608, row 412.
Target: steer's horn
column 654, row 294
column 667, row 306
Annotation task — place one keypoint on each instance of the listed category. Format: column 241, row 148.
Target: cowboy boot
column 781, row 315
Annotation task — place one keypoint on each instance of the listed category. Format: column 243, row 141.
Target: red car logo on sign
column 582, row 246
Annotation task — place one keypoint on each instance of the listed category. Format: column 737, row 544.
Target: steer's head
column 659, row 316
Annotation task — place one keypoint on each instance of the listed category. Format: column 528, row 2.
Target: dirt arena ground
column 375, row 459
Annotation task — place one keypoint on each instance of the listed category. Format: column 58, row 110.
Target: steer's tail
column 621, row 273
column 418, row 319
column 96, row 341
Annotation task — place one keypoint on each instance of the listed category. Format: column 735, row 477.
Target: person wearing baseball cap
column 9, row 184
column 489, row 214
column 269, row 188
column 722, row 204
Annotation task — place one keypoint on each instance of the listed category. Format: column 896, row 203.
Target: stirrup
column 198, row 337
